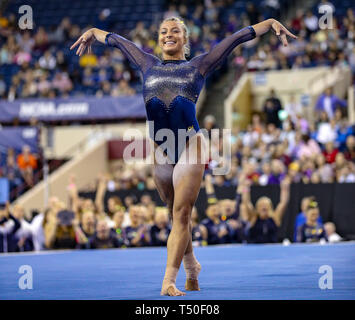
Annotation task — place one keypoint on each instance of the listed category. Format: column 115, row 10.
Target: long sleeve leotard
column 171, row 87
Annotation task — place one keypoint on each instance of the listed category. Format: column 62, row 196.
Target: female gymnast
column 171, row 87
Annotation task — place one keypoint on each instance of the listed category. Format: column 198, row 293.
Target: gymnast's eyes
column 176, row 30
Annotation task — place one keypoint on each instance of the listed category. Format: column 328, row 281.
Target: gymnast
column 171, row 86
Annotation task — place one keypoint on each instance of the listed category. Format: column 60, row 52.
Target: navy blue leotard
column 171, row 87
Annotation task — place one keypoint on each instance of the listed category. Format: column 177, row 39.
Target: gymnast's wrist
column 270, row 21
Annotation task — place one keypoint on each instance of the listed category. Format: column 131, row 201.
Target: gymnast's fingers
column 81, row 49
column 283, row 39
column 277, row 28
column 290, row 34
column 77, row 42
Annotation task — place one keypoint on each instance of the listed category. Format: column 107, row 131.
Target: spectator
column 62, row 82
column 47, row 61
column 218, row 231
column 199, row 232
column 330, row 152
column 343, row 132
column 293, row 107
column 325, row 170
column 263, row 221
column 265, row 174
column 327, row 132
column 301, row 217
column 311, row 230
column 311, row 22
column 306, row 148
column 8, row 227
column 331, row 234
column 104, row 237
column 349, row 151
column 26, row 42
column 37, row 230
column 59, row 229
column 347, row 173
column 160, row 230
column 277, row 172
column 41, row 40
column 88, row 60
column 231, row 214
column 12, row 172
column 137, row 234
column 272, row 106
column 328, row 102
column 86, row 229
column 123, row 89
column 23, row 236
column 117, row 227
column 27, row 163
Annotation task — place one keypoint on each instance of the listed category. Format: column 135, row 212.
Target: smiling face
column 172, row 39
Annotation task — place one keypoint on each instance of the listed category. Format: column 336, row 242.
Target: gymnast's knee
column 182, row 216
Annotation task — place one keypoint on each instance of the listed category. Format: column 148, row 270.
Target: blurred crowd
column 272, row 151
column 279, row 141
column 314, row 47
column 19, row 168
column 38, row 62
column 279, row 147
column 84, row 223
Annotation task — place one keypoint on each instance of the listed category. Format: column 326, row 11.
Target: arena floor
column 228, row 272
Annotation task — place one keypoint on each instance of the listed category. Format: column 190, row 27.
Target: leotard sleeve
column 207, row 62
column 140, row 59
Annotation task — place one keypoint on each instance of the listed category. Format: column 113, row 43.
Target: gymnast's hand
column 280, row 31
column 84, row 42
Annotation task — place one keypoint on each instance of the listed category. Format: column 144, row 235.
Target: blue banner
column 4, row 190
column 73, row 109
column 17, row 137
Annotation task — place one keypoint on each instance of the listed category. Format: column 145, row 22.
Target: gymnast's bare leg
column 163, row 177
column 180, row 195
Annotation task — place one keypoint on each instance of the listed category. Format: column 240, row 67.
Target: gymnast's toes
column 171, row 290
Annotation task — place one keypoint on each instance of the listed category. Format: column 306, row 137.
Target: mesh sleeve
column 207, row 62
column 140, row 59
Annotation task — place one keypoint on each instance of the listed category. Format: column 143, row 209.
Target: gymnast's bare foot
column 169, row 289
column 192, row 273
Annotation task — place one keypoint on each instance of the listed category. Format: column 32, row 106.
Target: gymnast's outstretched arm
column 207, row 62
column 140, row 59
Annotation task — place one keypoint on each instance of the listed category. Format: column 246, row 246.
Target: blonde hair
column 186, row 32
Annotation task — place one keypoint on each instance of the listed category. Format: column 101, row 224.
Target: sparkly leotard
column 172, row 87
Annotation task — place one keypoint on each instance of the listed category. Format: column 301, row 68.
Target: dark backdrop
column 336, row 202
